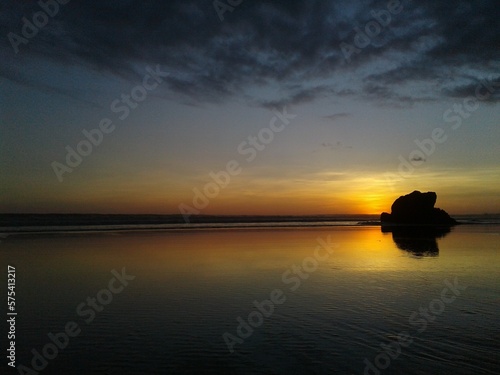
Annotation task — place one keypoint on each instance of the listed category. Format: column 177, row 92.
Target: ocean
column 336, row 296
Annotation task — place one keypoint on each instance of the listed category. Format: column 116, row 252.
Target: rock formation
column 417, row 208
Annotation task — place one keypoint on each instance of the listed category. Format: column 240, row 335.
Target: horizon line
column 220, row 215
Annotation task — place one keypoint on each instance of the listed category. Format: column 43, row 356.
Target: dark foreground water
column 332, row 300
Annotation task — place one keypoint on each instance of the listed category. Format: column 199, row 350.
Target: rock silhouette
column 417, row 208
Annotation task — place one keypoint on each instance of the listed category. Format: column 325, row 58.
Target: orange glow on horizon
column 354, row 193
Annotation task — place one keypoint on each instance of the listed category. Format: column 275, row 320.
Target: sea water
column 341, row 299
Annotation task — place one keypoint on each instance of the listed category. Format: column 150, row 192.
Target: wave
column 74, row 223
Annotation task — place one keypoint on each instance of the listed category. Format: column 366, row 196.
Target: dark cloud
column 389, row 95
column 299, row 95
column 487, row 90
column 334, row 146
column 417, row 158
column 264, row 43
column 454, row 41
column 336, row 116
column 22, row 80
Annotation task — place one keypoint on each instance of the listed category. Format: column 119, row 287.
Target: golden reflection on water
column 191, row 285
column 218, row 253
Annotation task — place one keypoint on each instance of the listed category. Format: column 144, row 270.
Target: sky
column 248, row 107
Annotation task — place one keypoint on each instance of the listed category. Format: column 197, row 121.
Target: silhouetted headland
column 417, row 209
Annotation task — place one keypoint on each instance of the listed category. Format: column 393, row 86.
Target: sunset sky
column 376, row 99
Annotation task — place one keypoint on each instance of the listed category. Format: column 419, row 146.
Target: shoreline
column 61, row 230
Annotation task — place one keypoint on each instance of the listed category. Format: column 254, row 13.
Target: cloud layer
column 292, row 46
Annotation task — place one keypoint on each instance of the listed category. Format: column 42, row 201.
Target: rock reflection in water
column 420, row 241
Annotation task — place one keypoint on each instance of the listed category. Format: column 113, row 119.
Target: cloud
column 336, row 116
column 487, row 90
column 23, row 80
column 390, row 95
column 299, row 96
column 293, row 44
column 417, row 158
column 334, row 146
